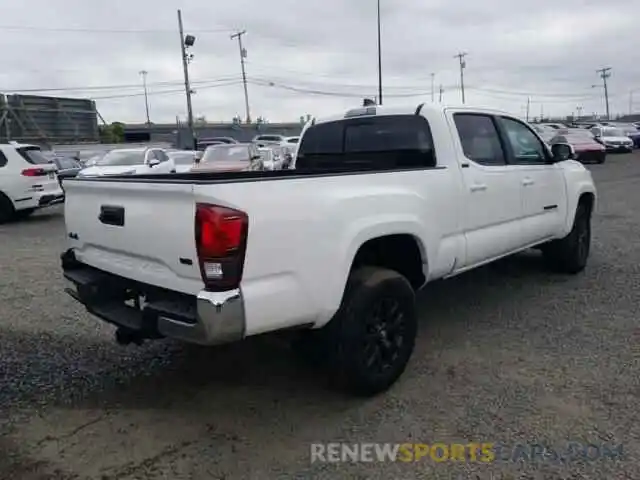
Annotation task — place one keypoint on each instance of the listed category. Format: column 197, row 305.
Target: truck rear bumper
column 209, row 318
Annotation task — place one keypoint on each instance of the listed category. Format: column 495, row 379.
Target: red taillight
column 34, row 172
column 221, row 239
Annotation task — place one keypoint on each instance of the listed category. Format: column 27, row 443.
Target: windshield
column 183, row 158
column 122, row 157
column 218, row 153
column 34, row 155
column 612, row 132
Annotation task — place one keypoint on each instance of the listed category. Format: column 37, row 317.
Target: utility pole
column 433, row 91
column 631, row 100
column 185, row 67
column 379, row 57
column 528, row 106
column 605, row 73
column 441, row 92
column 146, row 98
column 463, row 64
column 541, row 112
column 243, row 55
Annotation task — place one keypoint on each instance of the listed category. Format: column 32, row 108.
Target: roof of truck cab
column 408, row 109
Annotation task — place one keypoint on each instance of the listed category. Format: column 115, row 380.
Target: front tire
column 371, row 338
column 22, row 214
column 570, row 254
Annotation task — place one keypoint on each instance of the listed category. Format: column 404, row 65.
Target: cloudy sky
column 321, row 57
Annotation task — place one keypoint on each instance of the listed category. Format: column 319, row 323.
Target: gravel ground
column 507, row 353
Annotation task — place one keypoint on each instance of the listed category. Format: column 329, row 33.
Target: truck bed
column 303, row 232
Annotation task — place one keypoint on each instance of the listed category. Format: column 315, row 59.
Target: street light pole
column 146, row 98
column 379, row 57
column 187, row 85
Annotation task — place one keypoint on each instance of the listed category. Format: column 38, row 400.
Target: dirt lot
column 508, row 353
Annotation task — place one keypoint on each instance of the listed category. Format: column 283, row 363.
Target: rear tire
column 369, row 341
column 570, row 254
column 7, row 211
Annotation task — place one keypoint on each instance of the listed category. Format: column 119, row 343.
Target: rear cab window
column 387, row 142
column 33, row 155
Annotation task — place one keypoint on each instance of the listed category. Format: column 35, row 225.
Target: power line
column 163, row 92
column 108, row 87
column 100, row 30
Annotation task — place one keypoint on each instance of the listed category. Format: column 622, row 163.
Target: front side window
column 525, row 145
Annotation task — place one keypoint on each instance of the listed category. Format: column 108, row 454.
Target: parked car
column 614, row 139
column 131, row 161
column 205, row 142
column 546, row 132
column 264, row 140
column 587, row 149
column 555, row 126
column 630, row 131
column 185, row 160
column 272, row 158
column 230, row 158
column 67, row 167
column 92, row 160
column 28, row 181
column 333, row 255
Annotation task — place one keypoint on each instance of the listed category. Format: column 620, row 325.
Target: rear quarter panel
column 305, row 232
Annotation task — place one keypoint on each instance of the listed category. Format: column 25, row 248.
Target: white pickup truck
column 382, row 201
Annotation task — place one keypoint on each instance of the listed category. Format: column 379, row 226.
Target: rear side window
column 480, row 139
column 378, row 143
column 33, row 155
column 3, row 159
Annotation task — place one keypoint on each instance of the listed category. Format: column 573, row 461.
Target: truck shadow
column 256, row 382
column 165, row 374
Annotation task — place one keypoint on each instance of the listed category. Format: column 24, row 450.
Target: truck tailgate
column 141, row 231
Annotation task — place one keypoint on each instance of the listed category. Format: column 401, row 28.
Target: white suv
column 28, row 181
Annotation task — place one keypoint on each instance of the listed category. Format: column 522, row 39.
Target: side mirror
column 562, row 152
column 154, row 162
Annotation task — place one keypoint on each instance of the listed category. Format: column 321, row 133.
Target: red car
column 587, row 149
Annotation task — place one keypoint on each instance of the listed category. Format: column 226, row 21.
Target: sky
column 320, row 58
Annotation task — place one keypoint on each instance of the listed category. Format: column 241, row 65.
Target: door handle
column 527, row 182
column 478, row 187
